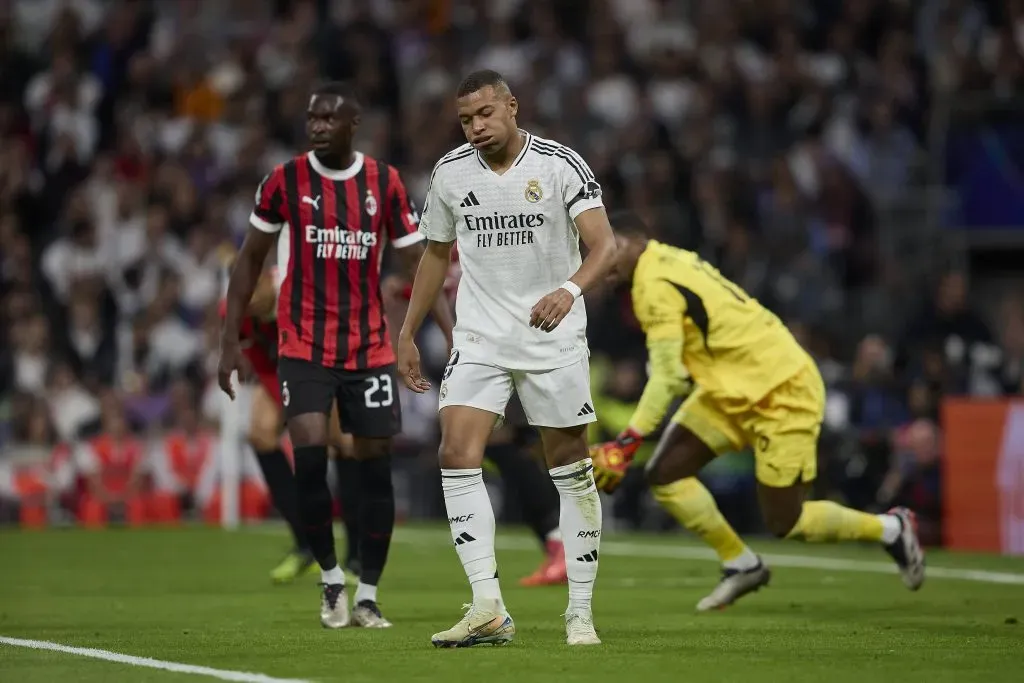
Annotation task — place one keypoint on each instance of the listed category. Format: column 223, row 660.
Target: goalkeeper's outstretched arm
column 668, row 380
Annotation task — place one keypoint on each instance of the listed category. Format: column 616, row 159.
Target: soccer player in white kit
column 518, row 206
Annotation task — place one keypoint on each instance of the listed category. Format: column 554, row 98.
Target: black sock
column 376, row 517
column 535, row 491
column 349, row 486
column 281, row 483
column 315, row 503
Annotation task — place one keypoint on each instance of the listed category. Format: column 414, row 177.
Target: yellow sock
column 822, row 521
column 692, row 505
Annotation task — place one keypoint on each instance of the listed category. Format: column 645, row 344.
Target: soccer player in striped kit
column 333, row 209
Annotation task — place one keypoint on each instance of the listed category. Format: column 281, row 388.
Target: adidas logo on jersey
column 470, row 200
column 587, row 409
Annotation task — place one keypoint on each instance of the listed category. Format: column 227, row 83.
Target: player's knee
column 370, row 449
column 375, row 477
column 781, row 507
column 264, row 436
column 344, row 446
column 779, row 526
column 564, row 446
column 780, row 521
column 265, row 428
column 657, row 474
column 458, row 454
column 308, row 430
column 567, row 454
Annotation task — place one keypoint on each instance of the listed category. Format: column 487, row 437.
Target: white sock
column 580, row 522
column 891, row 528
column 471, row 519
column 332, row 576
column 747, row 560
column 365, row 591
column 554, row 535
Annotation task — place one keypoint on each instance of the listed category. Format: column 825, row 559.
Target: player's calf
column 464, row 433
column 823, row 521
column 580, row 521
column 376, row 525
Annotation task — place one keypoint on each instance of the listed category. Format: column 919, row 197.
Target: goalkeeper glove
column 612, row 459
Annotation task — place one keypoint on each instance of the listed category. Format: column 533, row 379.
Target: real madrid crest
column 444, row 390
column 533, row 192
column 370, row 204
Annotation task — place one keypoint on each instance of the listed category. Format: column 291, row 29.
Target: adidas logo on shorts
column 587, row 409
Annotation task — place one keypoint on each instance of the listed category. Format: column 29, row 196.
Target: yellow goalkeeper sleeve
column 668, row 380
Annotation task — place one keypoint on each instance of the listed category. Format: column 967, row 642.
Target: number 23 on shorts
column 380, row 392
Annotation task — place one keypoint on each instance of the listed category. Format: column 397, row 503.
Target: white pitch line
column 635, row 549
column 175, row 667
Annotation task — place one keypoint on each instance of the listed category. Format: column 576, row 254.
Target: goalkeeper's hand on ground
column 612, row 459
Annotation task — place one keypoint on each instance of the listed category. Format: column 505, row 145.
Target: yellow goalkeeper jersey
column 731, row 345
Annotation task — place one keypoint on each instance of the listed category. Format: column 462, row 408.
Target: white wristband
column 572, row 288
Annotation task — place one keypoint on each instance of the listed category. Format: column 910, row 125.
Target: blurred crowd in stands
column 774, row 136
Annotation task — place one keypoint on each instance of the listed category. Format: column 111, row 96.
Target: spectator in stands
column 74, row 409
column 913, row 479
column 1012, row 342
column 965, row 339
column 116, row 472
column 36, row 471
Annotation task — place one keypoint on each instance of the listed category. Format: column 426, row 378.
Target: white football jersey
column 517, row 242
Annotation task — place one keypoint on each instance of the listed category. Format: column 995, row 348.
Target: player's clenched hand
column 230, row 361
column 408, row 359
column 612, row 459
column 549, row 311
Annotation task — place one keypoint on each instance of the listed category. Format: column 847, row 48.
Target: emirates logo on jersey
column 370, row 204
column 338, row 243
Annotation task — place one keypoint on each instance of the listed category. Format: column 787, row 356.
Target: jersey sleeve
column 659, row 308
column 437, row 223
column 268, row 211
column 580, row 189
column 402, row 218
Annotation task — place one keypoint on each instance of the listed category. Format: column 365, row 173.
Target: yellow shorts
column 782, row 427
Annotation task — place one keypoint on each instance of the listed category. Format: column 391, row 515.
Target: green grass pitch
column 202, row 597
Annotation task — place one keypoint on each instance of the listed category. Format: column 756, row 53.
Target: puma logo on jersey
column 315, row 203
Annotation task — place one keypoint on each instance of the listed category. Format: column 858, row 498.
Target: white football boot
column 333, row 606
column 906, row 550
column 734, row 585
column 485, row 623
column 579, row 629
column 367, row 614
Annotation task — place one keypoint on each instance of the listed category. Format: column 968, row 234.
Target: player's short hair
column 481, row 79
column 342, row 89
column 629, row 224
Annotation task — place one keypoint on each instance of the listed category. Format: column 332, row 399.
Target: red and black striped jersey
column 333, row 226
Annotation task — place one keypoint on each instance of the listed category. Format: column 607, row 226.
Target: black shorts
column 368, row 403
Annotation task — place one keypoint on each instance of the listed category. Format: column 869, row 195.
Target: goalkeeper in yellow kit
column 749, row 384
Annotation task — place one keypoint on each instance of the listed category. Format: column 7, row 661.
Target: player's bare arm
column 411, row 258
column 264, row 298
column 596, row 233
column 244, row 276
column 426, row 288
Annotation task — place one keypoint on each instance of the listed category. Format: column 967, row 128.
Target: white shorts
column 550, row 398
